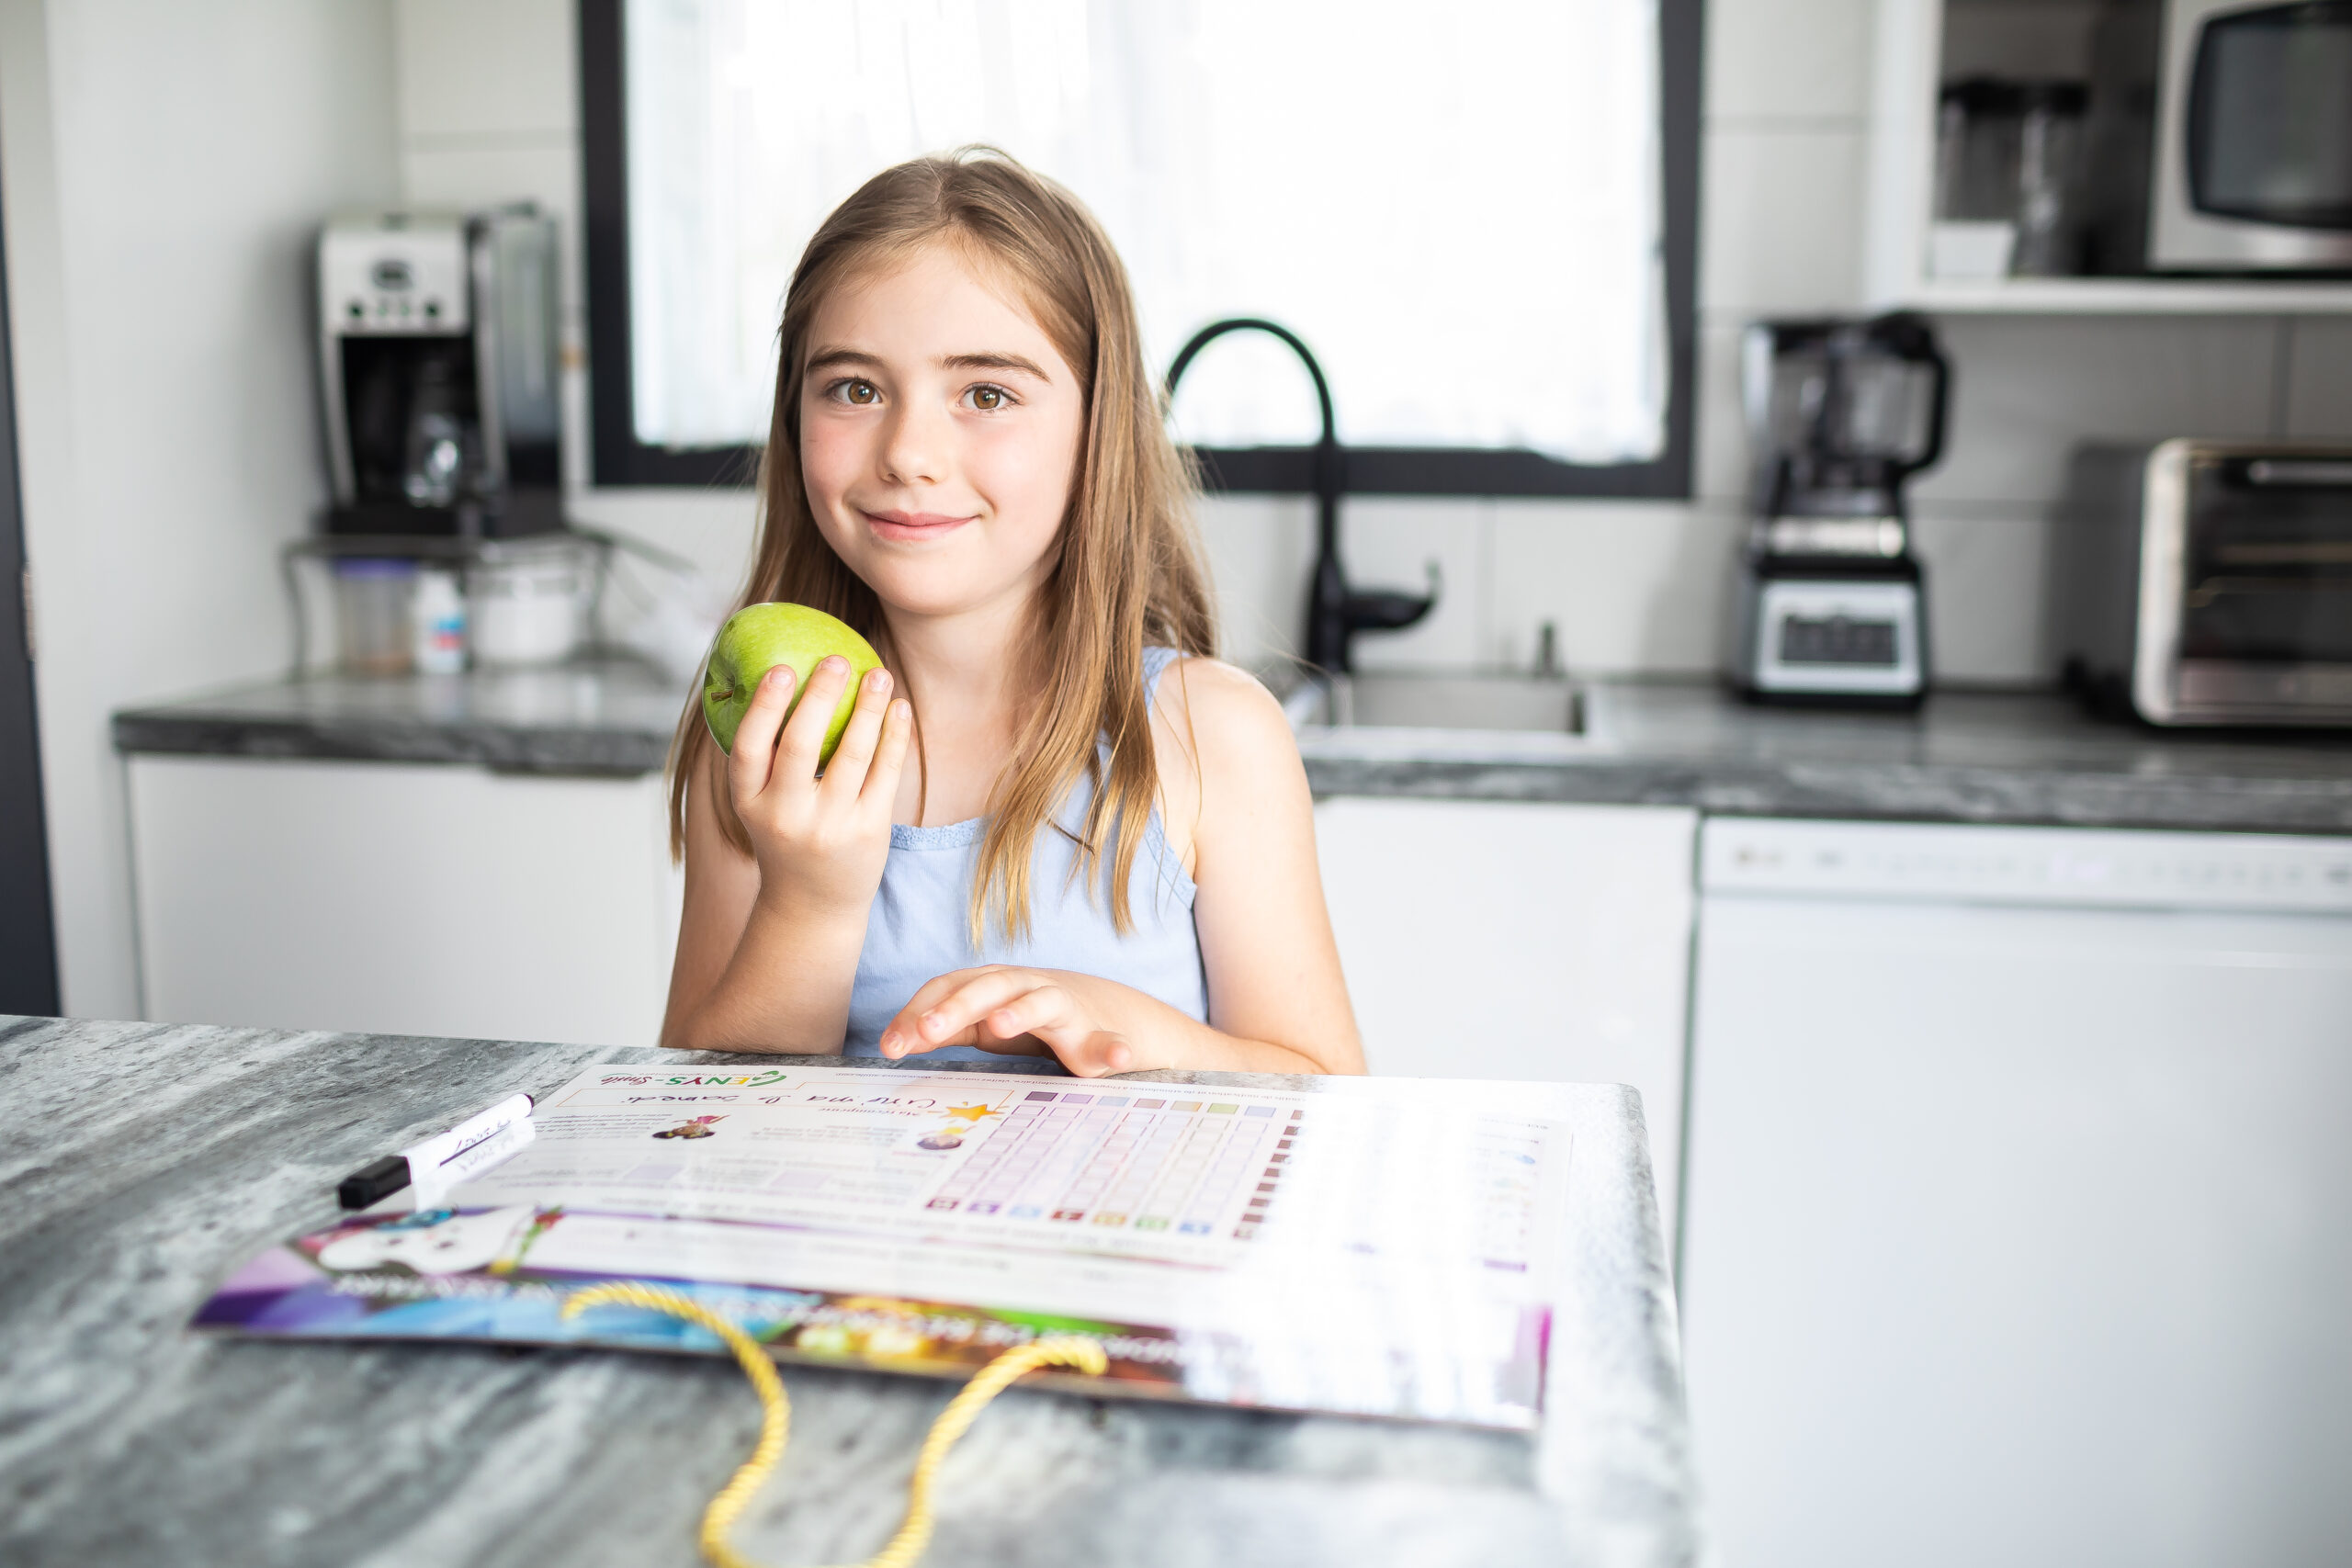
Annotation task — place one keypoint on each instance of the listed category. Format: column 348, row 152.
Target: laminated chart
column 1150, row 1161
column 1317, row 1251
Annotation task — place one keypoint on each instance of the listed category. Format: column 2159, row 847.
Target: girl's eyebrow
column 825, row 359
column 993, row 362
column 831, row 358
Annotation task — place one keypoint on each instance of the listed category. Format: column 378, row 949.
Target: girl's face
column 939, row 437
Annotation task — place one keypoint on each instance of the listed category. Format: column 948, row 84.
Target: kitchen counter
column 2008, row 757
column 607, row 715
column 1968, row 756
column 143, row 1162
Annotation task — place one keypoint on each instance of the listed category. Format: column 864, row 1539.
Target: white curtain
column 1457, row 206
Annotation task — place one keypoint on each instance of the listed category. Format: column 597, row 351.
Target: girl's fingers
column 1041, row 1010
column 919, row 1025
column 845, row 775
column 804, row 732
column 968, row 1004
column 898, row 1036
column 890, row 757
column 747, row 765
column 1052, row 1015
column 1093, row 1054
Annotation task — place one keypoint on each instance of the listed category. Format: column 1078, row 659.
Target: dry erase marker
column 439, row 1163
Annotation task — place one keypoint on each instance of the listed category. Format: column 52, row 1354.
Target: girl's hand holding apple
column 820, row 840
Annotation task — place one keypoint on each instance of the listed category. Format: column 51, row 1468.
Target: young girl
column 1098, row 843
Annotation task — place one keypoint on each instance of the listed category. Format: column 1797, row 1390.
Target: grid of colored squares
column 1152, row 1164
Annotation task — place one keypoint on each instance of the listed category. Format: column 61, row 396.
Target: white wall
column 1633, row 586
column 163, row 166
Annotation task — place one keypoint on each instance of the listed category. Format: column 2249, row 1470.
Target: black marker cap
column 373, row 1183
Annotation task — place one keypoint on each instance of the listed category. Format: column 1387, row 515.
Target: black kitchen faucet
column 1334, row 612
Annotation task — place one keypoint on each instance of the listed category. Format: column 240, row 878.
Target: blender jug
column 1842, row 413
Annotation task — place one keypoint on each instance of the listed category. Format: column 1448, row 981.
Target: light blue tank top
column 918, row 927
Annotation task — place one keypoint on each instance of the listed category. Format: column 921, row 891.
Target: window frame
column 620, row 458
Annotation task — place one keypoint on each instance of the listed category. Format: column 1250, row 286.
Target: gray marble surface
column 609, row 715
column 1967, row 756
column 141, row 1162
column 2011, row 758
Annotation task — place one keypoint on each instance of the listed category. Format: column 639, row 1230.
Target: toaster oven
column 2210, row 581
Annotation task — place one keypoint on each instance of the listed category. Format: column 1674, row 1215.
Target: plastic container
column 437, row 623
column 530, row 602
column 1977, row 128
column 371, row 615
column 2049, row 153
column 2007, row 161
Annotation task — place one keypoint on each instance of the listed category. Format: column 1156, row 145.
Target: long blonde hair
column 1127, row 570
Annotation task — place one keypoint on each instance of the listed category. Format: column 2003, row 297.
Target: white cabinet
column 1502, row 940
column 402, row 899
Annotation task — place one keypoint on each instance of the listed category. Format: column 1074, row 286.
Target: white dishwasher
column 2018, row 1208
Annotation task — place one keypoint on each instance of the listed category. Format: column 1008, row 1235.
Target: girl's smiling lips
column 911, row 524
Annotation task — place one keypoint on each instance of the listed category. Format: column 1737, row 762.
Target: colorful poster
column 1250, row 1246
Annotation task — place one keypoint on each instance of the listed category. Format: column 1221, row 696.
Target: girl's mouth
column 912, row 524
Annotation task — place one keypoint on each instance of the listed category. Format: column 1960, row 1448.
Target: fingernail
column 834, row 660
column 879, row 682
column 889, row 1041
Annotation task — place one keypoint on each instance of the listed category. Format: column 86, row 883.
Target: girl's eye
column 988, row 400
column 862, row 394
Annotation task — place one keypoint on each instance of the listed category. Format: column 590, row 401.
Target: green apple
column 756, row 639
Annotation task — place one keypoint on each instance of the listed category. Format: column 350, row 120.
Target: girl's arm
column 768, row 943
column 1277, row 1004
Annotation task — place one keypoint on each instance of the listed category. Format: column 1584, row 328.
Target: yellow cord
column 776, row 1420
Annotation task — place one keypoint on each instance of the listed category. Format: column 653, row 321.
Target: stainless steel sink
column 1481, row 702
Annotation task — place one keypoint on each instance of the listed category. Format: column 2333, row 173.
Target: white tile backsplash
column 1390, row 542
column 1985, row 575
column 1631, row 586
column 1260, row 549
column 1779, row 222
column 487, row 69
column 1788, row 59
column 2319, row 380
column 1720, row 469
column 2027, row 390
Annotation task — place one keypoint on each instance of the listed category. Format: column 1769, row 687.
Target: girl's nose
column 914, row 448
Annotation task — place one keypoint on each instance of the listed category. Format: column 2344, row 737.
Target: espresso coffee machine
column 1842, row 413
column 437, row 346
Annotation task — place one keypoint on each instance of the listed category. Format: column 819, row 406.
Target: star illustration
column 970, row 1112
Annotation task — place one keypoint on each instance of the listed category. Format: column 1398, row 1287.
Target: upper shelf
column 1909, row 37
column 2124, row 296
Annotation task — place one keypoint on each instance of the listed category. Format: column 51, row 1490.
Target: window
column 1479, row 216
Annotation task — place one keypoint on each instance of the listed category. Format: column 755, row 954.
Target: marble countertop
column 605, row 716
column 142, row 1162
column 2015, row 758
column 2009, row 758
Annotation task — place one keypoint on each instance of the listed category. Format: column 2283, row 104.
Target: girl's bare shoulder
column 1222, row 717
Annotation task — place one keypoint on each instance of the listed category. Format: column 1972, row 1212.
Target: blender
column 1841, row 413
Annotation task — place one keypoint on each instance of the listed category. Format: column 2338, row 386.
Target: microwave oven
column 2221, row 137
column 2210, row 582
